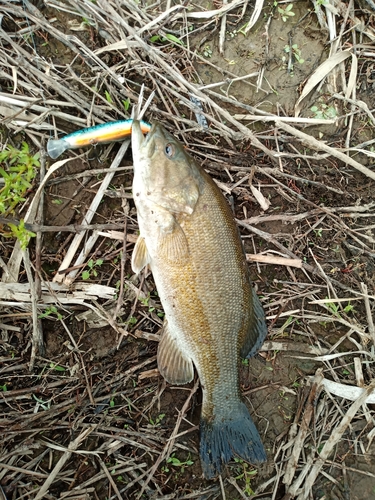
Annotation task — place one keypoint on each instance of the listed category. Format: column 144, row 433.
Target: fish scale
column 217, row 297
column 189, row 239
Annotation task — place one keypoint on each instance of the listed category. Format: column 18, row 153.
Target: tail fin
column 222, row 438
column 56, row 147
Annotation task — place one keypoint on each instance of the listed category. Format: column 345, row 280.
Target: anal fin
column 257, row 332
column 140, row 256
column 174, row 365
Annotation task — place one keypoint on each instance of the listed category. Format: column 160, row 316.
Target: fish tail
column 56, row 147
column 221, row 438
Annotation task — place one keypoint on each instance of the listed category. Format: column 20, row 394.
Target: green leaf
column 21, row 233
column 108, row 97
column 126, row 104
column 57, row 367
column 173, row 38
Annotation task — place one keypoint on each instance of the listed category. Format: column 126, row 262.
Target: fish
column 213, row 317
column 99, row 134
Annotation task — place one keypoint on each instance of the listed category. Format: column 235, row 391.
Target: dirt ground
column 93, row 411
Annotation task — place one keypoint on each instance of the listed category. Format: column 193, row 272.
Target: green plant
column 55, row 366
column 92, row 265
column 132, row 321
column 22, row 234
column 3, row 388
column 157, row 421
column 349, row 308
column 295, row 51
column 320, row 447
column 18, row 169
column 108, row 97
column 175, row 462
column 167, row 38
column 50, row 311
column 286, row 416
column 207, row 51
column 126, row 104
column 323, row 111
column 233, row 34
column 294, row 54
column 244, row 472
column 286, row 13
column 283, row 396
column 145, row 300
column 45, row 405
column 289, row 320
column 335, row 308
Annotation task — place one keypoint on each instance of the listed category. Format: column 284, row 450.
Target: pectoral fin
column 257, row 332
column 140, row 256
column 173, row 245
column 175, row 366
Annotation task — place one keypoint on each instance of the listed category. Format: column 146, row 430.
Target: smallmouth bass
column 213, row 317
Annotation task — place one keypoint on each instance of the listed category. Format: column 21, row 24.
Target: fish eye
column 169, row 150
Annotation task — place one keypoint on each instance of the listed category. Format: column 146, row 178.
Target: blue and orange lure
column 99, row 134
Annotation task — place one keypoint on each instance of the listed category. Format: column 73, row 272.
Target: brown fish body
column 208, row 297
column 189, row 238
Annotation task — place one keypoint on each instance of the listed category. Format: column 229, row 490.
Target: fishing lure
column 99, row 134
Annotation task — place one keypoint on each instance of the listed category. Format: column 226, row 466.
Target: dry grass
column 76, row 425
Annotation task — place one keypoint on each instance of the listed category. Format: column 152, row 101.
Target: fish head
column 163, row 171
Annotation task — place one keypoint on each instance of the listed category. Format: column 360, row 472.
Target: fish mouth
column 139, row 141
column 137, row 136
column 147, row 145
